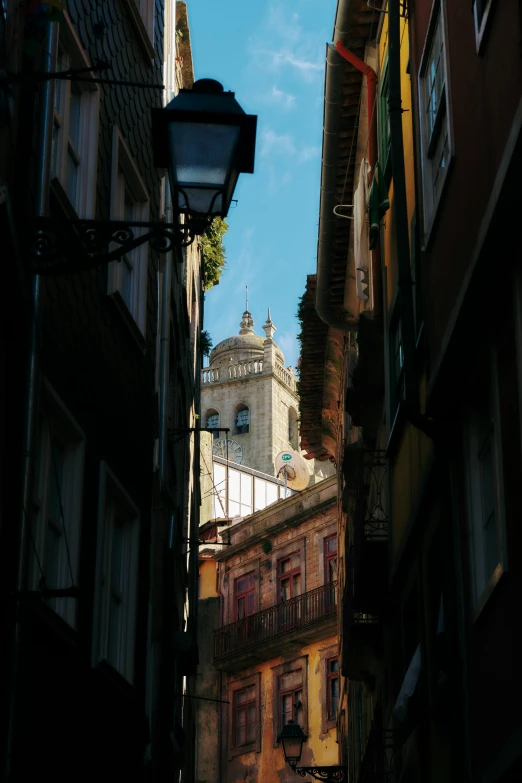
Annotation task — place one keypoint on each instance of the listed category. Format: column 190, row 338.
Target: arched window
column 242, row 422
column 212, row 420
column 293, row 432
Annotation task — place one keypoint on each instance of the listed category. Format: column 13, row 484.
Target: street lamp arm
column 333, row 774
column 95, row 242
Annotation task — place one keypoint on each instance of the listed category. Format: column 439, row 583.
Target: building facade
column 273, row 656
column 430, row 437
column 100, row 589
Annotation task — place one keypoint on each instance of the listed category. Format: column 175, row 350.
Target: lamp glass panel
column 202, row 153
column 200, row 200
column 292, row 748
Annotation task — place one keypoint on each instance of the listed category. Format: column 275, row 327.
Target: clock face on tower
column 235, row 450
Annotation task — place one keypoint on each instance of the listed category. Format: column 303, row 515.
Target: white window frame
column 480, row 26
column 85, row 151
column 142, row 15
column 125, row 176
column 443, row 125
column 58, row 424
column 482, row 582
column 113, row 496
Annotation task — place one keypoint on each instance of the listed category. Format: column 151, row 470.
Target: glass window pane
column 126, row 281
column 233, row 508
column 246, row 489
column 271, row 493
column 251, row 724
column 74, row 117
column 71, row 179
column 52, row 556
column 56, row 482
column 234, row 485
column 213, row 420
column 128, row 206
column 259, row 494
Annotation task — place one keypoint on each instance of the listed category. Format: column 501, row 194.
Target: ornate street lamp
column 292, row 738
column 205, row 140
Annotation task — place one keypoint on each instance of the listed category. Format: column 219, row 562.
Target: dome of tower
column 243, row 346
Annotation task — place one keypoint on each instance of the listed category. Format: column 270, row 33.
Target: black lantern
column 205, row 140
column 292, row 738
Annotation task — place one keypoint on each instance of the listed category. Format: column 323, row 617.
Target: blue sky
column 271, row 54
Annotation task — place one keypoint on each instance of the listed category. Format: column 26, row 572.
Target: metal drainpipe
column 43, row 176
column 371, row 81
column 400, row 207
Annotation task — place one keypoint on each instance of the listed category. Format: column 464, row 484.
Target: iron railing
column 304, row 610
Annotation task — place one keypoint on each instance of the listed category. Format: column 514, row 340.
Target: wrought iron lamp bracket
column 333, row 774
column 91, row 243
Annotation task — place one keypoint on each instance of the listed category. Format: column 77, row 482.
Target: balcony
column 275, row 631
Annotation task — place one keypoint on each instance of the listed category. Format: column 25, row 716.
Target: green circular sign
column 286, row 457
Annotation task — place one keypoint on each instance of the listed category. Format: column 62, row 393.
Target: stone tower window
column 213, row 421
column 293, row 436
column 242, row 424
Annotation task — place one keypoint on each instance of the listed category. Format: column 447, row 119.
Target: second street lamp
column 205, row 140
column 292, row 738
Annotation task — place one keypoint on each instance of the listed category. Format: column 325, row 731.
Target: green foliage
column 205, row 343
column 266, row 546
column 213, row 252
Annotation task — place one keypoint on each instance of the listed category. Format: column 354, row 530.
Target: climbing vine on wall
column 213, row 252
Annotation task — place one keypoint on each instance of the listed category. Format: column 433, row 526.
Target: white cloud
column 277, row 179
column 287, row 341
column 282, row 98
column 309, row 152
column 272, row 143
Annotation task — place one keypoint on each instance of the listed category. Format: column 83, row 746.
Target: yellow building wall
column 414, row 451
column 207, row 579
column 389, row 243
column 321, row 749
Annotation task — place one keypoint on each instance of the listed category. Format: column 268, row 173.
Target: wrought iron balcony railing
column 284, row 618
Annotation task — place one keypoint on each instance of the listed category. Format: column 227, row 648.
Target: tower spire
column 246, row 297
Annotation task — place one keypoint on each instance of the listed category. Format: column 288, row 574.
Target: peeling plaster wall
column 299, row 523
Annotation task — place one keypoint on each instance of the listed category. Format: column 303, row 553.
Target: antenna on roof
column 246, row 308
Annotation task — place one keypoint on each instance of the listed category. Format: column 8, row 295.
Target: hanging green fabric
column 379, row 204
